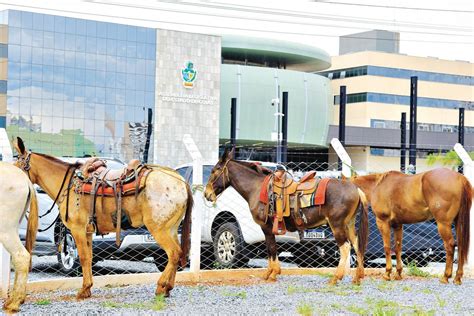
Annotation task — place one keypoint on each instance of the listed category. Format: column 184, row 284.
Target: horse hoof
column 457, row 281
column 398, row 277
column 386, row 277
column 83, row 294
column 10, row 308
column 444, row 280
column 356, row 281
column 333, row 281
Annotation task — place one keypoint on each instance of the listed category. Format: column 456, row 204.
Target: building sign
column 187, row 98
column 188, row 73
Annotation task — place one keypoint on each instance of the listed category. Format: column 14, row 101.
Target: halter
column 224, row 173
column 24, row 163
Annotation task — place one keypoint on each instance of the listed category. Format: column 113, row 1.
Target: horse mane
column 255, row 166
column 59, row 161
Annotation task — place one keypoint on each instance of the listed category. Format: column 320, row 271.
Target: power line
column 110, row 3
column 223, row 27
column 393, row 7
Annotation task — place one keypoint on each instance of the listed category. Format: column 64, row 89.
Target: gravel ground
column 305, row 295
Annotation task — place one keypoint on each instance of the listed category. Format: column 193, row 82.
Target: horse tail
column 463, row 222
column 363, row 232
column 32, row 227
column 186, row 231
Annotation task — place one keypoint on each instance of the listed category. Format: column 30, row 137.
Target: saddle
column 97, row 179
column 282, row 192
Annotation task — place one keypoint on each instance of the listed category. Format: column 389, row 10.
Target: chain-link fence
column 230, row 238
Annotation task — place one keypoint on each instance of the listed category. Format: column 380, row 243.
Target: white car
column 230, row 237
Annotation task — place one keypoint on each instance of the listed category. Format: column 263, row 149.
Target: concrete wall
column 180, row 110
column 376, row 40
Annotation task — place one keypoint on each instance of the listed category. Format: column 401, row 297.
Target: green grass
column 305, row 309
column 358, row 310
column 158, row 304
column 441, row 301
column 386, row 286
column 413, row 270
column 426, row 291
column 43, row 302
column 323, row 274
column 241, row 294
column 406, row 288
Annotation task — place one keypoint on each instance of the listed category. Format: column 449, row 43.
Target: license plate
column 314, row 235
column 149, row 238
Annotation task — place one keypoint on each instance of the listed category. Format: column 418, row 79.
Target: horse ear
column 230, row 154
column 19, row 146
column 224, row 155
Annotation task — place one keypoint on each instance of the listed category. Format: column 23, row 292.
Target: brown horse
column 343, row 199
column 398, row 199
column 160, row 206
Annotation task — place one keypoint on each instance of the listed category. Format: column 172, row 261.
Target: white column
column 468, row 166
column 7, row 155
column 195, row 253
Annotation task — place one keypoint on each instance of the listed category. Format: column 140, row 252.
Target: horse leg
column 398, row 236
column 448, row 241
column 360, row 261
column 21, row 262
column 84, row 247
column 274, row 268
column 342, row 241
column 384, row 228
column 168, row 241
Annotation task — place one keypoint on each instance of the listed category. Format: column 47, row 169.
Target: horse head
column 219, row 179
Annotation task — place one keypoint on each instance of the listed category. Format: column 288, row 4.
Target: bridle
column 24, row 164
column 224, row 173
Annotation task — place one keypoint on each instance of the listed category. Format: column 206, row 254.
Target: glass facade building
column 76, row 87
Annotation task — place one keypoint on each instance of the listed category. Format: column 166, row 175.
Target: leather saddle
column 97, row 179
column 286, row 193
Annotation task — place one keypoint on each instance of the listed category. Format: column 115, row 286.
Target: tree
column 448, row 159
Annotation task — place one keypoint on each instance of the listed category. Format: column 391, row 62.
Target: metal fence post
column 469, row 174
column 195, row 253
column 7, row 155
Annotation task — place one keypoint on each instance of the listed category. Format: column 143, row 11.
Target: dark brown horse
column 343, row 199
column 398, row 199
column 160, row 206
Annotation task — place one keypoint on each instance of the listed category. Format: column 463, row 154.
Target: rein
column 224, row 169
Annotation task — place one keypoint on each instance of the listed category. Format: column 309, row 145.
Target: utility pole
column 413, row 123
column 342, row 121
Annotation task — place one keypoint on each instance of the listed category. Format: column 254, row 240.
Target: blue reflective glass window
column 25, row 72
column 37, row 39
column 69, row 59
column 131, row 81
column 121, row 64
column 141, row 66
column 90, row 77
column 121, row 80
column 131, row 50
column 48, row 39
column 3, row 51
column 59, row 24
column 25, row 54
column 151, row 52
column 141, row 34
column 59, row 41
column 131, row 65
column 13, row 70
column 35, row 106
column 140, row 98
column 151, row 35
column 101, row 46
column 101, row 28
column 37, row 55
column 80, row 76
column 90, row 94
column 69, row 75
column 81, row 27
column 100, row 78
column 13, row 87
column 48, row 56
column 26, row 36
column 131, row 33
column 120, row 97
column 37, row 21
column 79, row 92
column 80, row 43
column 122, row 32
column 122, row 48
column 90, row 61
column 100, row 62
column 27, row 20
column 48, row 23
column 47, row 92
column 150, row 83
column 48, row 73
column 14, row 18
column 59, row 74
column 70, row 26
column 91, row 45
column 149, row 99
column 25, row 88
column 70, row 42
column 140, row 82
column 130, row 98
column 111, row 47
column 141, row 50
column 111, row 65
column 14, row 35
column 150, row 68
column 91, row 28
column 110, row 79
column 100, row 94
column 112, row 31
column 68, row 111
column 110, row 95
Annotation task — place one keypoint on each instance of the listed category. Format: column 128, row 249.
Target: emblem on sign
column 188, row 73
